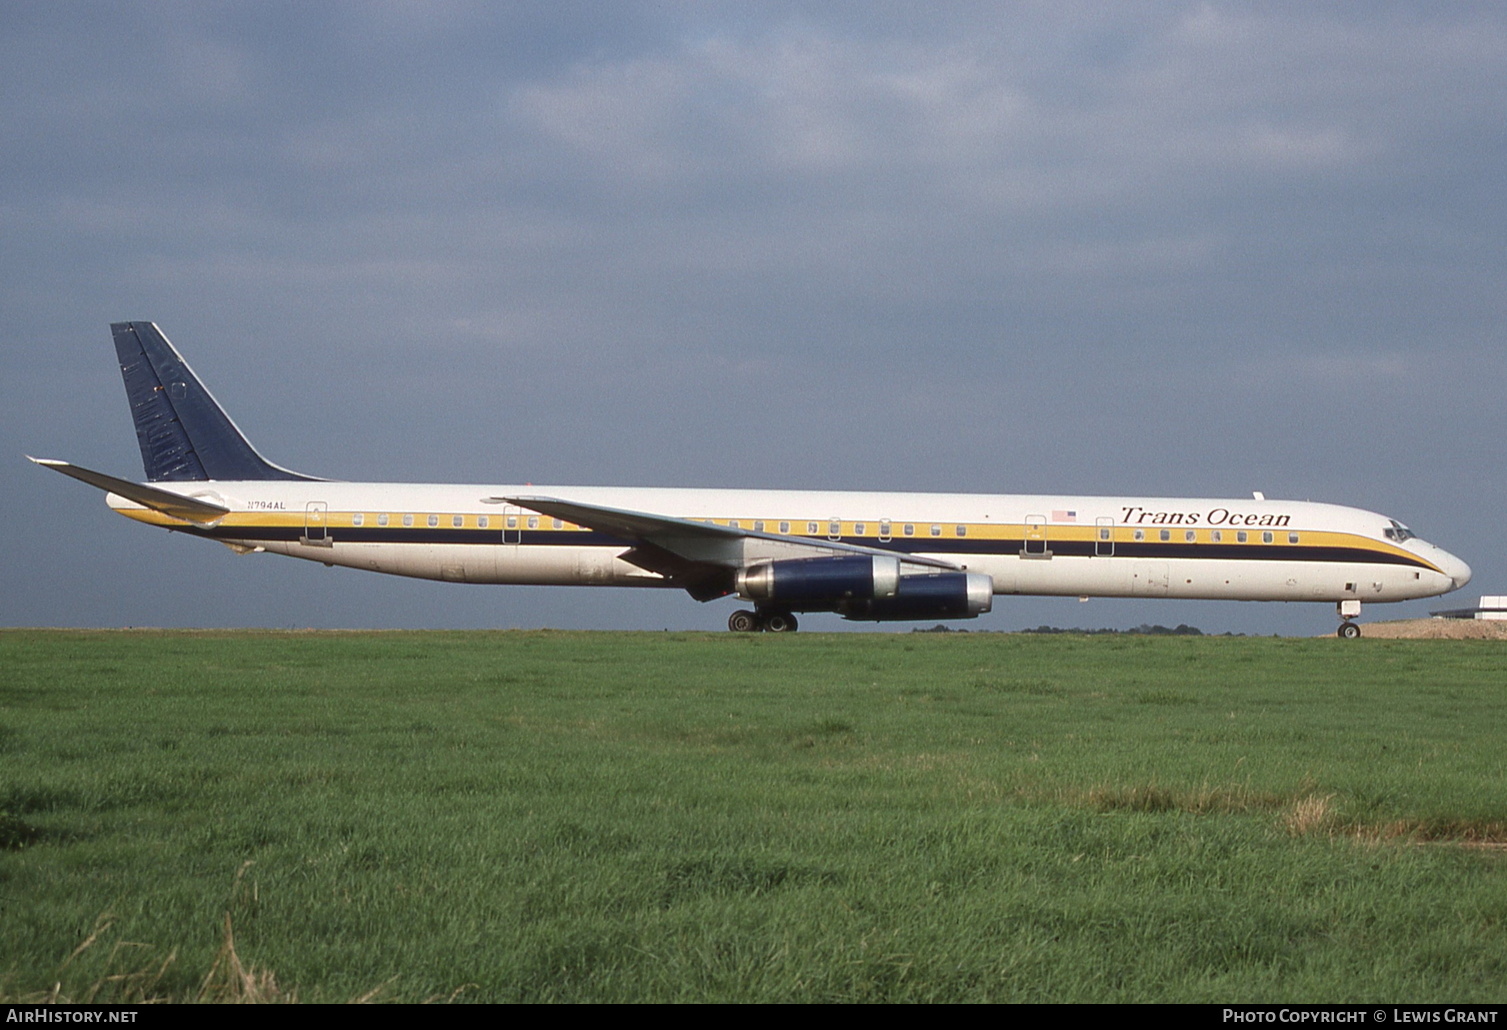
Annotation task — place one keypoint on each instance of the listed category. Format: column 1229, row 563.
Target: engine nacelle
column 947, row 595
column 822, row 583
column 865, row 587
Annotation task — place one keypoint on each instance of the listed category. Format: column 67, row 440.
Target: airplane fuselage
column 1266, row 550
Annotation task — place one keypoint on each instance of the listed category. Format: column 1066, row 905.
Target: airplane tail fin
column 184, row 434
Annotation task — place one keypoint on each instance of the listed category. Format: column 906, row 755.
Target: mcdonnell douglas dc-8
column 864, row 556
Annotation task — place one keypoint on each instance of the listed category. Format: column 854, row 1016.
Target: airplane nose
column 1456, row 570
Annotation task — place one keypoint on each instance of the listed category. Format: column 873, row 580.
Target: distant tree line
column 1182, row 630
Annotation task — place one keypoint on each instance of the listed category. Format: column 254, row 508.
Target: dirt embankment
column 1436, row 629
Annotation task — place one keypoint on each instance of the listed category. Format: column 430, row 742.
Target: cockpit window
column 1398, row 532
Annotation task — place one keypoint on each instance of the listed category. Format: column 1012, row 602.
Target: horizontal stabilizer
column 189, row 509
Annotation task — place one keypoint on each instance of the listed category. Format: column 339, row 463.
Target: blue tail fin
column 183, row 433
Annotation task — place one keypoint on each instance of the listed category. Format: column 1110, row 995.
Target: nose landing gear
column 1348, row 610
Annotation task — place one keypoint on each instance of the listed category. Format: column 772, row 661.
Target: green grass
column 546, row 816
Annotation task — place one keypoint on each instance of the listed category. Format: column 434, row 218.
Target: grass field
column 550, row 816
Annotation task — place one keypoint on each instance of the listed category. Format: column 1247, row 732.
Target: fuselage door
column 316, row 520
column 512, row 524
column 1036, row 537
column 1104, row 537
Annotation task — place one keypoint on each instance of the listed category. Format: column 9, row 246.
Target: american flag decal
column 1059, row 515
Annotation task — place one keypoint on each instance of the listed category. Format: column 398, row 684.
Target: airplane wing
column 699, row 556
column 189, row 509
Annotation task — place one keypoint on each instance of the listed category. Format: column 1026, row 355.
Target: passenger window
column 834, row 528
column 884, row 528
column 733, row 524
column 1104, row 533
column 1216, row 536
column 936, row 530
column 812, row 528
column 1140, row 534
column 1292, row 538
column 357, row 519
column 1190, row 536
column 558, row 524
column 858, row 528
column 758, row 525
column 1266, row 538
column 1166, row 534
column 784, row 527
column 434, row 520
column 910, row 529
column 512, row 521
column 1241, row 536
column 962, row 531
column 407, row 520
column 458, row 521
column 382, row 519
column 481, row 521
column 533, row 522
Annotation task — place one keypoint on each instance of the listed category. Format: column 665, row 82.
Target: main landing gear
column 745, row 621
column 1348, row 610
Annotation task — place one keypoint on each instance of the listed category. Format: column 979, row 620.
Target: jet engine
column 865, row 587
column 946, row 595
column 795, row 582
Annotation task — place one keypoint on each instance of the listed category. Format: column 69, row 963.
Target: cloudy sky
column 1173, row 248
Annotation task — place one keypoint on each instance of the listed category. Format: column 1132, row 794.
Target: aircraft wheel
column 780, row 622
column 743, row 621
column 1348, row 630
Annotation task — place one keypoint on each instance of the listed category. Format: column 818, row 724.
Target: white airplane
column 866, row 556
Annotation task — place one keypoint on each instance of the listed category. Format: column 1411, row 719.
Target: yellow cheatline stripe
column 342, row 519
